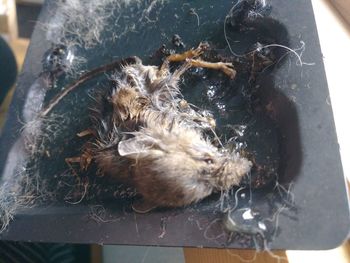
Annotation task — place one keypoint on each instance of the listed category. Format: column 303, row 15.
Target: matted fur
column 147, row 135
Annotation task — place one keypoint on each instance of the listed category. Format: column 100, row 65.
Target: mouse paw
column 203, row 46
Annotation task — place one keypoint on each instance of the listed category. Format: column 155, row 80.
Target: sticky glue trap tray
column 276, row 111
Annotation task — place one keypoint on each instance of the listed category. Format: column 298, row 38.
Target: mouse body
column 147, row 135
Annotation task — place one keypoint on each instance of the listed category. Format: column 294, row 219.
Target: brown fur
column 154, row 140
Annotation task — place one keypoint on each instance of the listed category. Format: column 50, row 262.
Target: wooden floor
column 19, row 47
column 194, row 255
column 203, row 255
column 338, row 255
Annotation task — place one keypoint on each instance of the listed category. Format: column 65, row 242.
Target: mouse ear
column 135, row 146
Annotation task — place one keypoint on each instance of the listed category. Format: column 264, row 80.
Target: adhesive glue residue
column 246, row 109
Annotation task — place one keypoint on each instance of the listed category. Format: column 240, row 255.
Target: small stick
column 84, row 161
column 70, row 161
column 85, row 133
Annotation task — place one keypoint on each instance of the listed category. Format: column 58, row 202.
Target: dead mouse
column 145, row 134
